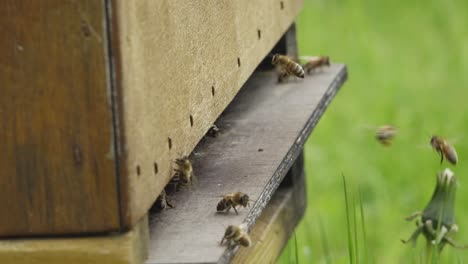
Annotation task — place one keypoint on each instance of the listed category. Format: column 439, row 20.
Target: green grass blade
column 356, row 239
column 350, row 236
column 295, row 247
column 363, row 227
column 324, row 240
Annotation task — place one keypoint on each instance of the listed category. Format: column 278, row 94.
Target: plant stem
column 350, row 236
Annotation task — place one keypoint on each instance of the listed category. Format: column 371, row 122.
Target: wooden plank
column 126, row 248
column 177, row 66
column 261, row 134
column 57, row 171
column 277, row 222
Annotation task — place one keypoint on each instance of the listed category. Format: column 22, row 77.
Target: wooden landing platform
column 262, row 132
column 261, row 137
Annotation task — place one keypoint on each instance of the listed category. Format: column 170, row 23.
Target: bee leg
column 235, row 210
column 169, row 204
column 441, row 157
column 283, row 76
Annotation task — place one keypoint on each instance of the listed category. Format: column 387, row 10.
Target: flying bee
column 231, row 201
column 288, row 66
column 445, row 149
column 316, row 62
column 236, row 235
column 385, row 134
column 162, row 202
column 184, row 172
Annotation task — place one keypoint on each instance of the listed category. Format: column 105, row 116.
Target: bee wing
column 423, row 146
column 455, row 140
column 367, row 127
column 308, row 58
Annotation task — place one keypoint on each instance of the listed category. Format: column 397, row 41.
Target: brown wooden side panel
column 57, row 170
column 178, row 65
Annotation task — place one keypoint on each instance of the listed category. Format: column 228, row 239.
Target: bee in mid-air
column 184, row 172
column 288, row 66
column 162, row 202
column 385, row 134
column 315, row 63
column 445, row 149
column 231, row 201
column 236, row 235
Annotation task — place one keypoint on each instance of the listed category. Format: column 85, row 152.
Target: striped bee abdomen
column 223, row 205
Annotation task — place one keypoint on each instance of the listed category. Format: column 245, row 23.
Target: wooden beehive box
column 100, row 96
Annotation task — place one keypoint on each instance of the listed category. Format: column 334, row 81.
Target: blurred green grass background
column 408, row 66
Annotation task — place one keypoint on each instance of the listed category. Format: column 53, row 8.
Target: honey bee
column 213, row 131
column 385, row 134
column 289, row 67
column 316, row 62
column 231, row 201
column 236, row 235
column 162, row 202
column 445, row 149
column 184, row 172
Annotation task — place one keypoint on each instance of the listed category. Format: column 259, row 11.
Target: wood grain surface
column 124, row 248
column 57, row 163
column 276, row 224
column 261, row 134
column 176, row 68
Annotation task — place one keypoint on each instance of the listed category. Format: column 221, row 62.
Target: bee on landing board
column 236, row 235
column 213, row 131
column 232, row 201
column 288, row 66
column 444, row 149
column 184, row 172
column 315, row 63
column 386, row 134
column 162, row 202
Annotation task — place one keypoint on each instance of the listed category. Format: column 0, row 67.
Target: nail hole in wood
column 212, row 91
column 282, row 5
column 169, row 142
column 259, row 33
column 238, row 62
column 156, row 168
column 191, row 120
column 138, row 170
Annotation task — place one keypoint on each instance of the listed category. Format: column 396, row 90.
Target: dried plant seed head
column 446, row 178
column 437, row 221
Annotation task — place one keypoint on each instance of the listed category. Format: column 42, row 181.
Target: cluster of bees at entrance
column 236, row 235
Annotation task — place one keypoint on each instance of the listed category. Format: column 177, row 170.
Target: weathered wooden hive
column 100, row 97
